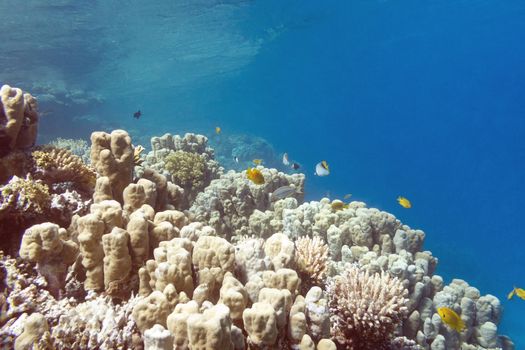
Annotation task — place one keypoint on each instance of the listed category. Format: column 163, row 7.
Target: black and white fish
column 285, row 159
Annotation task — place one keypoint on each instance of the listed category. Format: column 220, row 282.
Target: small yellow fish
column 255, row 176
column 451, row 318
column 217, row 130
column 405, row 203
column 338, row 205
column 257, row 161
column 348, row 195
column 520, row 292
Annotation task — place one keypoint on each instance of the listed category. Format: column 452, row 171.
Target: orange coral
column 60, row 165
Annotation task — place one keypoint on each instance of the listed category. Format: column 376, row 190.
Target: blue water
column 423, row 99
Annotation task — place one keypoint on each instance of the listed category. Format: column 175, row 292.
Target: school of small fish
column 321, row 169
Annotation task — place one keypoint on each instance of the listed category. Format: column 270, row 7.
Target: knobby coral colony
column 128, row 270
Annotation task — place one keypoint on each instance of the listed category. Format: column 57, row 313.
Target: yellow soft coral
column 60, row 165
column 187, row 169
column 24, row 196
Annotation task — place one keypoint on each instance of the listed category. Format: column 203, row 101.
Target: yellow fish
column 405, row 203
column 217, row 130
column 255, row 176
column 257, row 161
column 520, row 292
column 348, row 195
column 338, row 205
column 451, row 318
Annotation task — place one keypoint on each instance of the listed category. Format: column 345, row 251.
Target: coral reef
column 186, row 161
column 234, row 206
column 235, row 271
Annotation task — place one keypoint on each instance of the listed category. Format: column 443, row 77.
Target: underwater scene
column 262, row 174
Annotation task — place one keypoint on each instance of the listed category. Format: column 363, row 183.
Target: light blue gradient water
column 417, row 98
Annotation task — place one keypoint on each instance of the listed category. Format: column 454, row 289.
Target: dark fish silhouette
column 137, row 114
column 295, row 166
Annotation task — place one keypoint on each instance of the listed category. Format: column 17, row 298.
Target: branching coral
column 78, row 147
column 365, row 308
column 55, row 165
column 137, row 160
column 311, row 258
column 24, row 195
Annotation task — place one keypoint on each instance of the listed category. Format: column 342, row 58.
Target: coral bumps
column 365, row 308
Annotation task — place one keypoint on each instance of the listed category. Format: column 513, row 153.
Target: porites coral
column 365, row 308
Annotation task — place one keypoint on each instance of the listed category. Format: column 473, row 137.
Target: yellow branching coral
column 365, row 309
column 187, row 169
column 311, row 256
column 24, row 195
column 60, row 165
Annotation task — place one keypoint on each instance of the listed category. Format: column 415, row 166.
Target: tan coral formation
column 35, row 335
column 112, row 156
column 45, row 244
column 18, row 118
